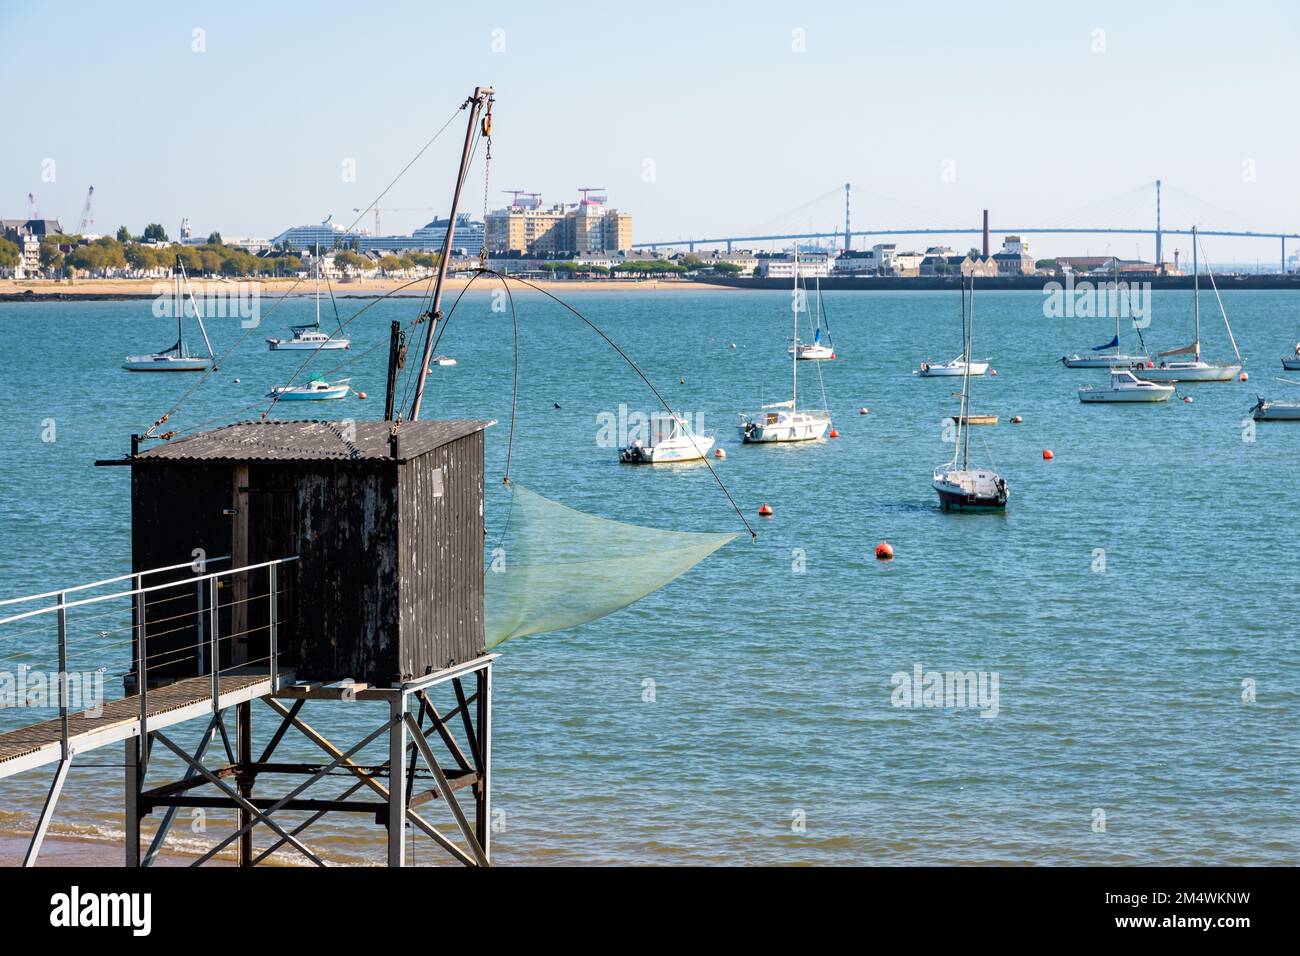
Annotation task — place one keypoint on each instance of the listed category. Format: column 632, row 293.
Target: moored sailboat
column 959, row 486
column 178, row 357
column 783, row 421
column 309, row 337
column 1194, row 369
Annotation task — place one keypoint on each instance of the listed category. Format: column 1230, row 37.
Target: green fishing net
column 556, row 568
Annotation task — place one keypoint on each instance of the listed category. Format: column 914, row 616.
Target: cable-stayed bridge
column 1081, row 222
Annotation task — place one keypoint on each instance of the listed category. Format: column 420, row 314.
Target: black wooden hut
column 388, row 532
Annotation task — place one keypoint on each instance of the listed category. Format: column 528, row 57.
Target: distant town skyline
column 738, row 119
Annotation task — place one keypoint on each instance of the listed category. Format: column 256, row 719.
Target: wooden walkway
column 40, row 744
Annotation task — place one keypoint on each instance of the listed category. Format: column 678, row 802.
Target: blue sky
column 932, row 113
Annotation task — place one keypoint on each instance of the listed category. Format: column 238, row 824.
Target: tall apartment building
column 580, row 229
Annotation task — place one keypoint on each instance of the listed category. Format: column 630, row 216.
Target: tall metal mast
column 478, row 103
column 1196, row 293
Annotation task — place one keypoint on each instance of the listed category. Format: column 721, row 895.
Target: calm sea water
column 772, row 736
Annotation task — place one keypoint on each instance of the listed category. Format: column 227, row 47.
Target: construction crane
column 533, row 201
column 31, row 205
column 590, row 200
column 378, row 210
column 86, row 221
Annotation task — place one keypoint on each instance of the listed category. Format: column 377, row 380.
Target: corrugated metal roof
column 311, row 441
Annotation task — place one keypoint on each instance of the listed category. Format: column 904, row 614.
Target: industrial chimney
column 986, row 233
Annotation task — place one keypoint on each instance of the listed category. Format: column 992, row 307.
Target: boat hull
column 1291, row 363
column 756, row 434
column 970, row 491
column 953, row 371
column 1131, row 396
column 275, row 345
column 1207, row 373
column 1277, row 412
column 146, row 363
column 1102, row 361
column 325, row 395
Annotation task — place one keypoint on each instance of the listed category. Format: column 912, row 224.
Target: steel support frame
column 422, row 749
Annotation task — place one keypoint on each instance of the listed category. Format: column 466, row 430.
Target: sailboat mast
column 968, row 332
column 1196, row 293
column 318, row 283
column 480, row 100
column 794, row 354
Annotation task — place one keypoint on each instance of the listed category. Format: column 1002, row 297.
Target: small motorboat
column 307, row 338
column 442, row 360
column 955, row 368
column 1266, row 411
column 1292, row 362
column 1125, row 387
column 672, row 441
column 317, row 390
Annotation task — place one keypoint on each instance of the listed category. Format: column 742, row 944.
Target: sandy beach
column 38, row 289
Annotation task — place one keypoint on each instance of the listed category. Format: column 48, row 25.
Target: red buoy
column 765, row 510
column 1245, row 377
column 834, row 433
column 1047, row 454
column 361, row 394
column 884, row 551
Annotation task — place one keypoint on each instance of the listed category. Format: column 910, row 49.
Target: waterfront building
column 1014, row 258
column 579, row 228
column 878, row 260
column 468, row 239
column 27, row 234
column 811, row 266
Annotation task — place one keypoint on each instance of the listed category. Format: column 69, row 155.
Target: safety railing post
column 142, row 670
column 213, row 655
column 273, row 626
column 63, row 672
column 201, row 648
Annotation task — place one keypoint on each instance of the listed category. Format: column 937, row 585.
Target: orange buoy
column 1245, row 377
column 884, row 551
column 834, row 433
column 1047, row 454
column 719, row 453
column 361, row 394
column 765, row 510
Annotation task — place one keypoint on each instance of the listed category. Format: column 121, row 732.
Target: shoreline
column 126, row 290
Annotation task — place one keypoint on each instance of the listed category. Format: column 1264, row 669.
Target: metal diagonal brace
column 265, row 814
column 466, row 830
column 235, row 795
column 324, row 744
column 47, row 812
column 156, row 844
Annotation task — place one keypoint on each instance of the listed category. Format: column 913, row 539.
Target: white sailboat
column 671, row 441
column 962, row 365
column 1105, row 358
column 1125, row 387
column 817, row 350
column 782, row 421
column 1195, row 369
column 959, row 486
column 309, row 337
column 178, row 357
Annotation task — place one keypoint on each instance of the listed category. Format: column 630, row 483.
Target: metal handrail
column 143, row 590
column 95, row 584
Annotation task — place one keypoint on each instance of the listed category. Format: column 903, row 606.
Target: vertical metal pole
column 142, row 673
column 213, row 653
column 201, row 649
column 132, row 801
column 397, row 782
column 244, row 776
column 481, row 97
column 483, row 801
column 63, row 673
column 1284, row 255
column 1160, row 262
column 273, row 625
